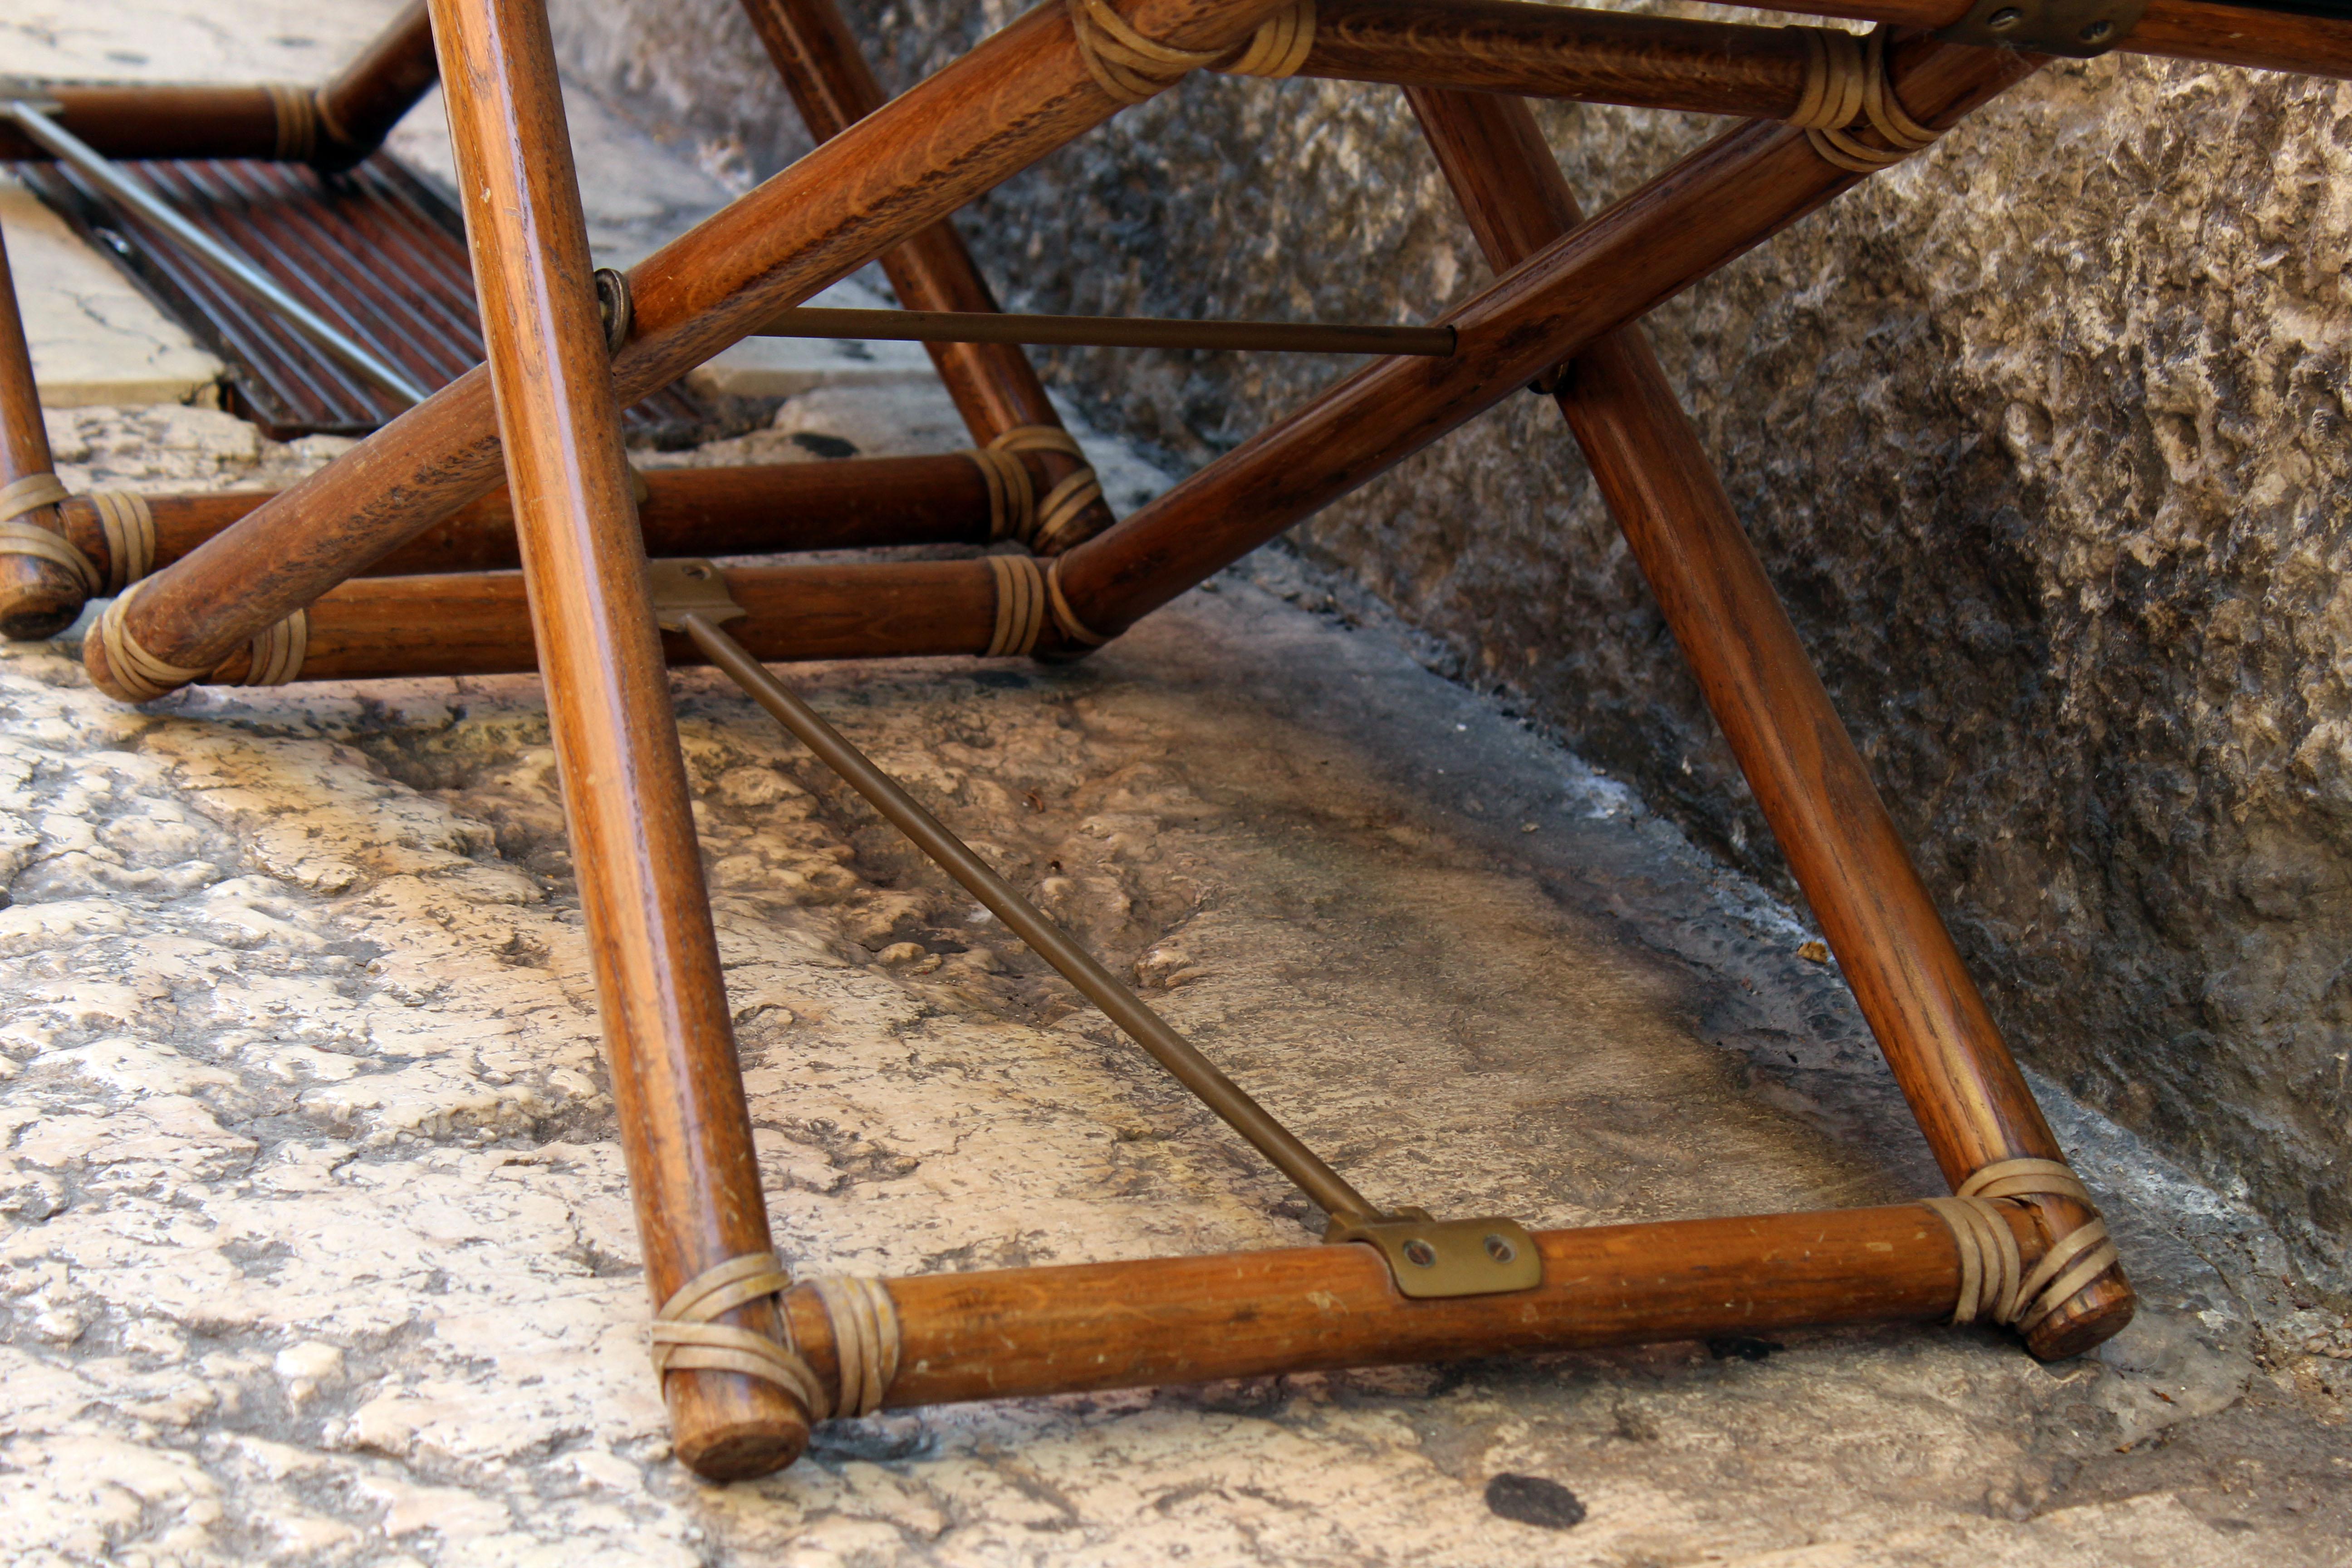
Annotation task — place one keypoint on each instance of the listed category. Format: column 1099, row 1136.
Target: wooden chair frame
column 750, row 1359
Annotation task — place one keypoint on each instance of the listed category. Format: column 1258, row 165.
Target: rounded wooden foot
column 2098, row 1312
column 726, row 1427
column 38, row 598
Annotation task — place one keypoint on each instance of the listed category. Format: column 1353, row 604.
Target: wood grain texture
column 1954, row 1066
column 163, row 122
column 1729, row 197
column 1018, row 95
column 677, row 1092
column 994, row 385
column 856, row 503
column 474, row 623
column 1553, row 51
column 38, row 598
column 1019, row 1332
column 2182, row 29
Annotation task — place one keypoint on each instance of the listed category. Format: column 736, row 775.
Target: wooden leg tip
column 2097, row 1314
column 730, row 1428
column 37, row 600
column 743, row 1452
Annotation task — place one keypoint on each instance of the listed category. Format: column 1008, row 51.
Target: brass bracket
column 1431, row 1259
column 2081, row 29
column 681, row 588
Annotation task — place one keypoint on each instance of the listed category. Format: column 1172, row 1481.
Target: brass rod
column 1109, row 331
column 233, row 268
column 1097, row 983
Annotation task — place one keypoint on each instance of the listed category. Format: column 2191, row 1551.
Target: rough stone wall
column 2042, row 437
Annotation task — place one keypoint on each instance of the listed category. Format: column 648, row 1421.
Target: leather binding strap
column 1278, row 47
column 1020, row 605
column 1125, row 64
column 297, row 123
column 1882, row 109
column 861, row 1313
column 1994, row 1285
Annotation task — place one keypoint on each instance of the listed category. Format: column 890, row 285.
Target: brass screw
column 1500, row 1250
column 2098, row 31
column 2002, row 20
column 1420, row 1253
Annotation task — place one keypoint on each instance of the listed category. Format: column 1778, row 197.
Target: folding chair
column 749, row 1359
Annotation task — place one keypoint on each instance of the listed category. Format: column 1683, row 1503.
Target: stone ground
column 314, row 1240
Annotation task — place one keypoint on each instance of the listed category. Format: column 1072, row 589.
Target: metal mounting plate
column 1432, row 1259
column 2078, row 28
column 683, row 587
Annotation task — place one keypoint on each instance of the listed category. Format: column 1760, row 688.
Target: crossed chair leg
column 748, row 1358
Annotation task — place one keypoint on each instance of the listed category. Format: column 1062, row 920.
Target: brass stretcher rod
column 993, row 385
column 1172, row 1050
column 1107, row 331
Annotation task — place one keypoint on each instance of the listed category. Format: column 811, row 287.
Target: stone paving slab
column 96, row 339
column 315, row 1244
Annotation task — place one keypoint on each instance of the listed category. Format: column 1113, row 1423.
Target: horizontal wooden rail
column 1028, row 1332
column 476, row 623
column 1554, row 51
column 2226, row 35
column 854, row 503
column 1107, row 331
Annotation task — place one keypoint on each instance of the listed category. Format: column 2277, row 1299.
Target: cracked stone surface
column 95, row 339
column 2041, row 434
column 315, row 1244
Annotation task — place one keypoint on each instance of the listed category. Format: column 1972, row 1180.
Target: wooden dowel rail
column 1844, row 848
column 1016, row 96
column 678, row 1092
column 1109, row 331
column 1732, row 194
column 2218, row 34
column 476, row 623
column 1557, row 51
column 1002, row 1334
column 993, row 384
column 334, row 125
column 854, row 503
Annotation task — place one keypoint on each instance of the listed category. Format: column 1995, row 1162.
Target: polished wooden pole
column 476, row 623
column 1015, row 97
column 38, row 597
column 2289, row 39
column 1022, row 1332
column 1842, row 846
column 1559, row 51
column 994, row 386
column 1734, row 194
column 676, row 1091
column 761, row 509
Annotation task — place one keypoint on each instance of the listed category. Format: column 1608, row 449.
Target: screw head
column 2002, row 20
column 2098, row 31
column 1419, row 1254
column 1501, row 1250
